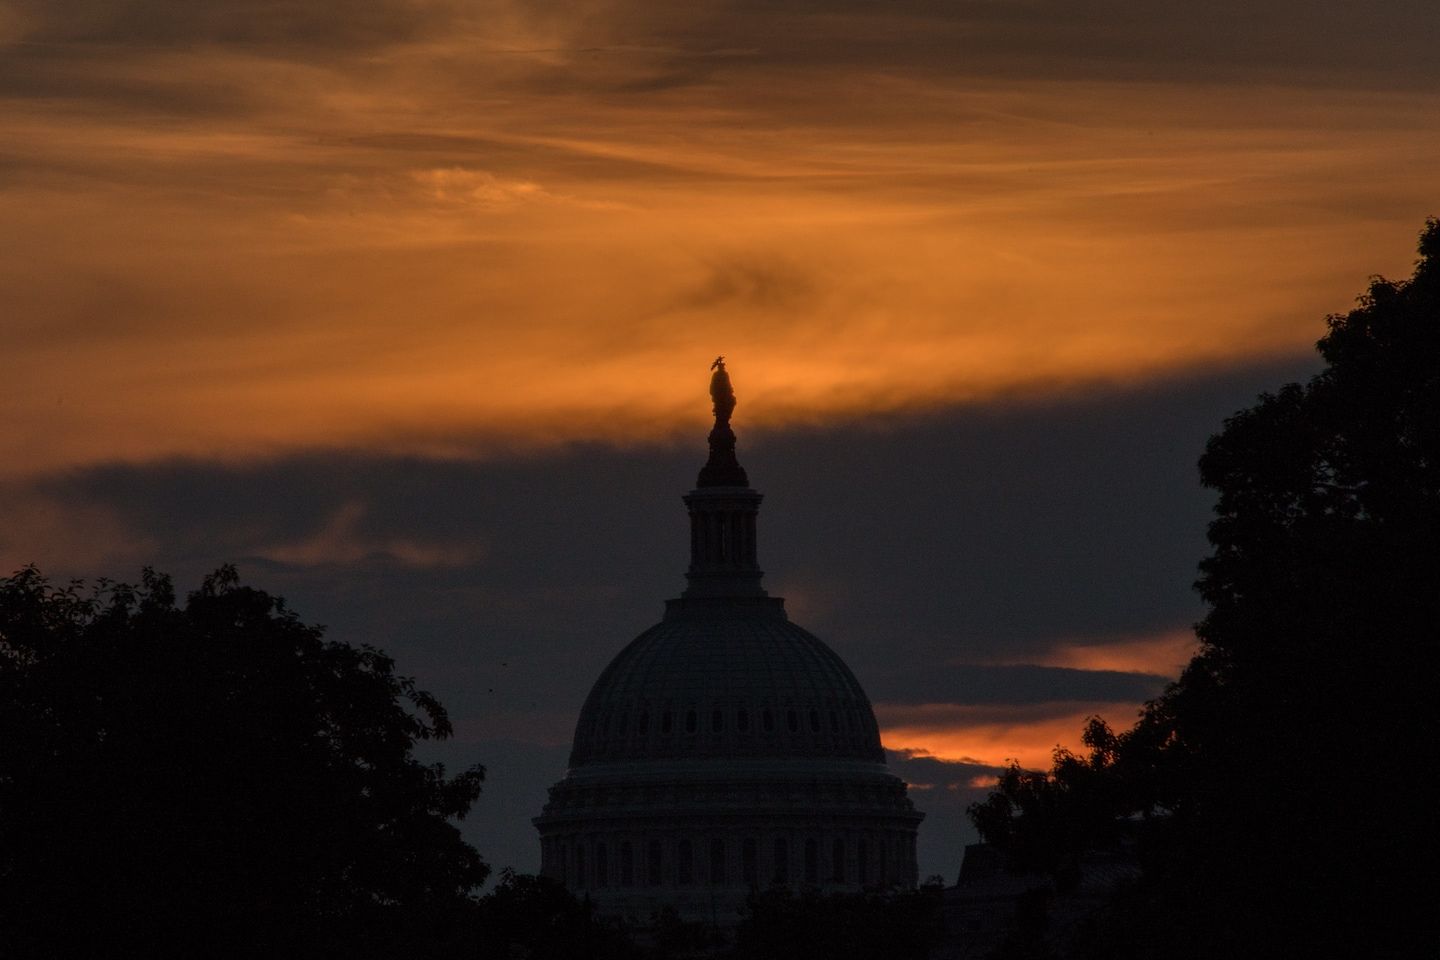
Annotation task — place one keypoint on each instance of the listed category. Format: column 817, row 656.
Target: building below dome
column 725, row 749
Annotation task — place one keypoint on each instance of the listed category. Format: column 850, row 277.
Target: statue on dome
column 721, row 392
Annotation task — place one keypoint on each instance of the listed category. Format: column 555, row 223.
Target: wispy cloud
column 342, row 540
column 1035, row 703
column 238, row 229
column 991, row 735
column 1163, row 654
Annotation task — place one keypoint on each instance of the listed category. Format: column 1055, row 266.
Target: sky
column 406, row 307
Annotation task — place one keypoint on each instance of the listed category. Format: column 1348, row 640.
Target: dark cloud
column 339, row 24
column 645, row 48
column 750, row 282
column 1105, row 39
column 988, row 533
column 120, row 77
column 912, row 547
column 974, row 684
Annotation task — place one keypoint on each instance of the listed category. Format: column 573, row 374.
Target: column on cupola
column 723, row 509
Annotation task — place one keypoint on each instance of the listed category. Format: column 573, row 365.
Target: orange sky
column 1028, row 733
column 232, row 230
column 462, row 228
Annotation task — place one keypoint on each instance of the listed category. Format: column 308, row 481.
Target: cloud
column 1167, row 38
column 994, row 734
column 750, row 282
column 1164, row 654
column 460, row 230
column 60, row 533
column 341, row 24
column 342, row 541
column 477, row 187
column 974, row 684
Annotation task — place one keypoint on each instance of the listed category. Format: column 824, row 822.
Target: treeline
column 537, row 918
column 215, row 778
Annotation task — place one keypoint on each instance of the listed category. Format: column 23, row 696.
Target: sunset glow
column 469, row 239
column 994, row 735
column 406, row 308
column 1163, row 654
column 1029, row 733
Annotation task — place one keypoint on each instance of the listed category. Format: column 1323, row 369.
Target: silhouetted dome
column 725, row 749
column 729, row 677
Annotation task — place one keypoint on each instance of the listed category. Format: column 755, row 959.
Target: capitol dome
column 725, row 749
column 735, row 681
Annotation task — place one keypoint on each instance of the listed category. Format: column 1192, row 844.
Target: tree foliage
column 216, row 777
column 780, row 924
column 536, row 917
column 1279, row 780
column 1047, row 821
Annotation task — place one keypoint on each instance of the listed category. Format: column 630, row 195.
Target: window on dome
column 692, row 722
column 812, row 861
column 782, row 860
column 717, row 862
column 767, row 721
column 749, row 868
column 602, row 865
column 834, row 722
column 742, row 721
column 653, row 856
column 580, row 864
column 837, row 860
column 717, row 721
column 814, row 721
column 862, row 851
column 792, row 719
column 665, row 722
column 627, row 865
column 685, row 868
column 644, row 725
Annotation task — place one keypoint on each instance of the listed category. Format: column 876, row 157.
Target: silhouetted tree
column 216, row 779
column 1281, row 780
column 537, row 918
column 1047, row 821
column 782, row 925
